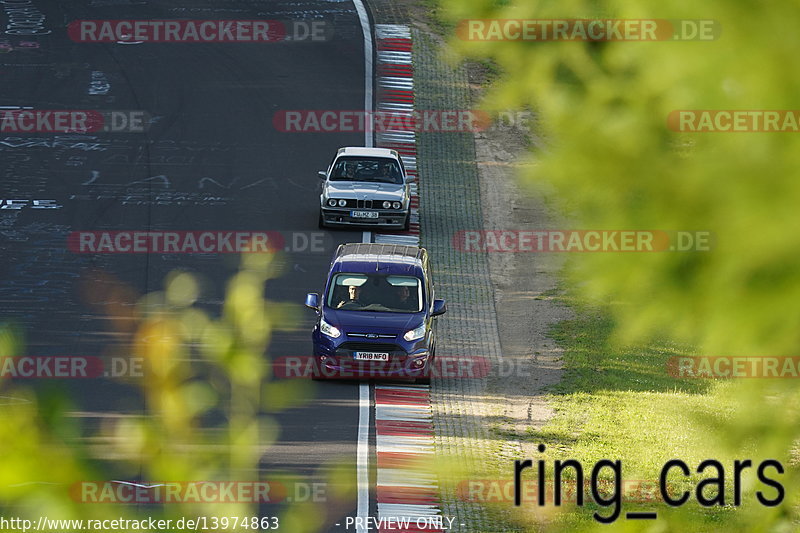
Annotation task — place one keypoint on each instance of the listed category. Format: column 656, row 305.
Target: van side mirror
column 322, row 174
column 439, row 308
column 312, row 301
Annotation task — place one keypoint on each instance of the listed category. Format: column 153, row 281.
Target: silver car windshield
column 375, row 292
column 373, row 169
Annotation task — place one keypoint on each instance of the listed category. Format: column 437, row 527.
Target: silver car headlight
column 397, row 205
column 387, row 204
column 416, row 333
column 332, row 202
column 329, row 330
column 342, row 202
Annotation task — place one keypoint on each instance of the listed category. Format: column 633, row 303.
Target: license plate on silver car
column 364, row 214
column 371, row 356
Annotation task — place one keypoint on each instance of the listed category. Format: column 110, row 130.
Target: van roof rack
column 391, row 250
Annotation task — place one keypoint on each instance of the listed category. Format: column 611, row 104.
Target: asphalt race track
column 210, row 159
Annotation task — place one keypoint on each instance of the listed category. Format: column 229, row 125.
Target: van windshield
column 375, row 292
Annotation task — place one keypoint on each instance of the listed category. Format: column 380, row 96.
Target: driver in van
column 353, row 293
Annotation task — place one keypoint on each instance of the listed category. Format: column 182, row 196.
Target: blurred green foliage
column 208, row 404
column 615, row 164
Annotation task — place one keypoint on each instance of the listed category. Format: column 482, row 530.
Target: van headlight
column 416, row 333
column 329, row 330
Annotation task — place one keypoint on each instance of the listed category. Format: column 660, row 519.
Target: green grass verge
column 439, row 23
column 622, row 404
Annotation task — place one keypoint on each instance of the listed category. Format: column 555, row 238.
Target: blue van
column 375, row 317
